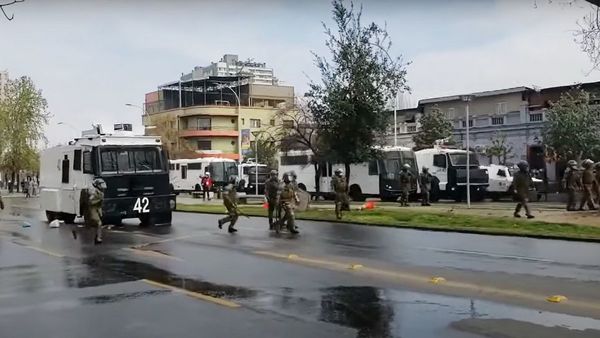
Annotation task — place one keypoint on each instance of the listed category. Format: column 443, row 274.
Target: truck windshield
column 220, row 171
column 394, row 160
column 130, row 160
column 460, row 159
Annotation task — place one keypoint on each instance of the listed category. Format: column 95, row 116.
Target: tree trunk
column 347, row 170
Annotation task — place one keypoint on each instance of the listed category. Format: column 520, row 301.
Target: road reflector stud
column 437, row 280
column 557, row 299
column 292, row 256
column 356, row 266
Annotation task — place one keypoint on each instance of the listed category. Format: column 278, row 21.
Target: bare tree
column 3, row 6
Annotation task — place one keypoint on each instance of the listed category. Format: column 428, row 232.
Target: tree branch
column 2, row 5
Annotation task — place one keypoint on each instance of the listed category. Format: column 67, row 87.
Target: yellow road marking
column 151, row 253
column 437, row 280
column 420, row 279
column 192, row 294
column 45, row 251
column 355, row 266
column 557, row 299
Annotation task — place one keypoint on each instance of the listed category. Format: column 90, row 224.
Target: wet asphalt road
column 192, row 280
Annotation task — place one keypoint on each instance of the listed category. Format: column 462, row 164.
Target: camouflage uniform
column 425, row 180
column 597, row 182
column 230, row 201
column 340, row 187
column 95, row 200
column 571, row 182
column 405, row 178
column 521, row 184
column 589, row 181
column 271, row 194
column 287, row 201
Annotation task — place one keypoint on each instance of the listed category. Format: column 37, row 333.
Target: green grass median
column 431, row 220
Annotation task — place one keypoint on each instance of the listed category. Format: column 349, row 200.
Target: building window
column 254, row 123
column 243, row 122
column 203, row 124
column 450, row 114
column 496, row 121
column 288, row 124
column 204, row 145
column 501, row 108
column 411, row 129
column 272, row 122
column 536, row 117
column 464, row 124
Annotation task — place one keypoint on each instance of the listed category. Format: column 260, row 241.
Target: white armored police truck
column 135, row 169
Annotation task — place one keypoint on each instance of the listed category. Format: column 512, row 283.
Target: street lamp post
column 239, row 110
column 467, row 99
column 256, row 133
column 395, row 120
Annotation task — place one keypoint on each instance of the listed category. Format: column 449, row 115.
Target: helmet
column 99, row 183
column 286, row 177
column 572, row 163
column 293, row 174
column 274, row 173
column 425, row 169
column 232, row 179
column 207, row 174
column 339, row 171
column 587, row 163
column 406, row 166
column 523, row 165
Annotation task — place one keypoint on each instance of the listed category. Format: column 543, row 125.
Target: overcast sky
column 91, row 57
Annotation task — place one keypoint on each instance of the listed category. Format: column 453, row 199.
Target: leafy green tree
column 499, row 148
column 267, row 151
column 433, row 126
column 23, row 115
column 357, row 80
column 572, row 130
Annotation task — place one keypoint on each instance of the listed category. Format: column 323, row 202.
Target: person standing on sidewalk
column 207, row 184
column 406, row 178
column 340, row 188
column 571, row 182
column 521, row 184
column 425, row 180
column 588, row 181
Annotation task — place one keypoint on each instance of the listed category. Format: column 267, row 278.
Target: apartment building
column 230, row 65
column 516, row 113
column 217, row 115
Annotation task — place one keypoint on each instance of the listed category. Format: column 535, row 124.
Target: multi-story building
column 3, row 81
column 516, row 114
column 217, row 115
column 230, row 65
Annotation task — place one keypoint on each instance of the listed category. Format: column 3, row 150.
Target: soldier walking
column 271, row 195
column 571, row 182
column 287, row 199
column 425, row 180
column 96, row 198
column 405, row 178
column 340, row 187
column 521, row 184
column 588, row 179
column 230, row 201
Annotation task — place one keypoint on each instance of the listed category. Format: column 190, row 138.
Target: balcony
column 209, row 132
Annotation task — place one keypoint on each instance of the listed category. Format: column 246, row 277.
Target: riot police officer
column 588, row 182
column 230, row 201
column 521, row 184
column 95, row 200
column 271, row 195
column 571, row 182
column 405, row 178
column 287, row 200
column 340, row 187
column 425, row 180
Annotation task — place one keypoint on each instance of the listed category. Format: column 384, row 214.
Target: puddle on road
column 106, row 299
column 391, row 313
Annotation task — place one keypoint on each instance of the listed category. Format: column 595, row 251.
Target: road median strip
column 433, row 220
column 197, row 295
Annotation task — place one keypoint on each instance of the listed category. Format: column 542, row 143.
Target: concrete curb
column 427, row 228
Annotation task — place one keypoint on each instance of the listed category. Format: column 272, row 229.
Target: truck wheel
column 356, row 193
column 68, row 218
column 434, row 195
column 144, row 220
column 50, row 216
column 302, row 186
column 164, row 219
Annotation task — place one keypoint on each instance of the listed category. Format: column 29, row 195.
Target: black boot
column 232, row 230
column 220, row 224
column 97, row 240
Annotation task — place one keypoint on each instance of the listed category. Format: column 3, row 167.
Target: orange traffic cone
column 369, row 205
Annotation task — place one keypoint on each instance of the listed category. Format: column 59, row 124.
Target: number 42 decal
column 141, row 205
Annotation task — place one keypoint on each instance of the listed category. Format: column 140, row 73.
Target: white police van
column 135, row 169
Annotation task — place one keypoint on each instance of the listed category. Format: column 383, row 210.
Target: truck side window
column 87, row 163
column 373, row 168
column 77, row 160
column 439, row 160
column 501, row 173
column 65, row 169
column 183, row 172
